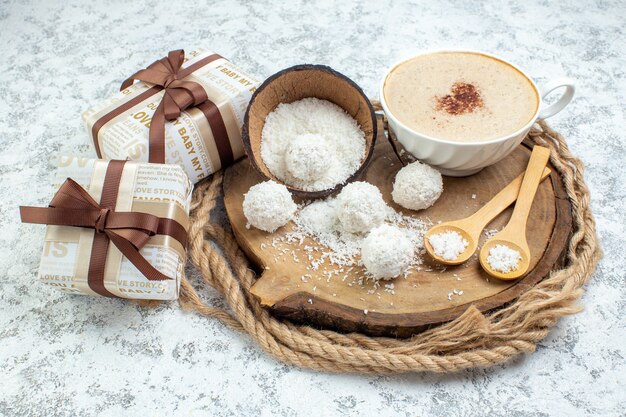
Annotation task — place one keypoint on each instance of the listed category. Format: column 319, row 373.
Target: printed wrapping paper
column 161, row 190
column 202, row 137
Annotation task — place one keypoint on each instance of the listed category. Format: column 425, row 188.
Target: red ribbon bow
column 129, row 231
column 179, row 95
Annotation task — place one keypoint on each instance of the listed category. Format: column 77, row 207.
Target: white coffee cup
column 460, row 159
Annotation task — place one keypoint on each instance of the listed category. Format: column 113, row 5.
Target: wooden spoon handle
column 532, row 177
column 499, row 203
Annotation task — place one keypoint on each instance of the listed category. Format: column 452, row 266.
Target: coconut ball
column 386, row 252
column 319, row 217
column 308, row 156
column 268, row 206
column 360, row 207
column 417, row 186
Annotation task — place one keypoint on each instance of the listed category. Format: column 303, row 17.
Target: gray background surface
column 62, row 355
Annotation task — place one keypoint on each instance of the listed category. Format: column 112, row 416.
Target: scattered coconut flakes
column 320, row 239
column 454, row 292
column 318, row 221
column 489, row 233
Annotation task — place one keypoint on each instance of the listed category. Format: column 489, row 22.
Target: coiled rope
column 472, row 340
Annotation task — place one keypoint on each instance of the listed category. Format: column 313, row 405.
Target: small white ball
column 308, row 157
column 268, row 206
column 319, row 217
column 360, row 207
column 417, row 186
column 386, row 252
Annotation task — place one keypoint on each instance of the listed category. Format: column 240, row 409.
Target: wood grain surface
column 421, row 299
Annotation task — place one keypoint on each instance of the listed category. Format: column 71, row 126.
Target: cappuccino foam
column 460, row 96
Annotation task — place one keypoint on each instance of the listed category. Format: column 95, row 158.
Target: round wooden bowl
column 296, row 83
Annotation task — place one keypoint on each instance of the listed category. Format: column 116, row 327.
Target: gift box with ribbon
column 185, row 109
column 115, row 229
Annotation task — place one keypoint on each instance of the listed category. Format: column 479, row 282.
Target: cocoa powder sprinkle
column 464, row 98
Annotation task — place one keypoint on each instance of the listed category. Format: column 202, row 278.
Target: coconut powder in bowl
column 285, row 152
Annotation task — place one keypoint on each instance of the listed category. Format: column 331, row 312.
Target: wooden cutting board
column 425, row 297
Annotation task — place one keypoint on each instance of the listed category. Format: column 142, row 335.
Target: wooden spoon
column 514, row 234
column 471, row 227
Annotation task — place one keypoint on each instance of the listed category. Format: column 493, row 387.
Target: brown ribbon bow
column 179, row 95
column 129, row 231
column 168, row 74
